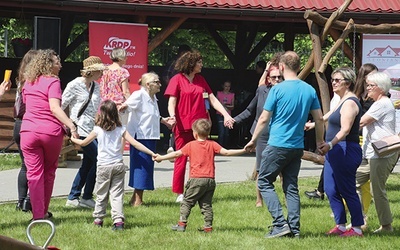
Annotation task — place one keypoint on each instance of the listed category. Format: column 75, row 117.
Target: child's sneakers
column 119, row 226
column 206, row 229
column 179, row 198
column 180, row 227
column 98, row 222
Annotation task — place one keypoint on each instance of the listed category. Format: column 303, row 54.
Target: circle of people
column 103, row 115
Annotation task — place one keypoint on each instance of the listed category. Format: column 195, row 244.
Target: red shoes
column 348, row 233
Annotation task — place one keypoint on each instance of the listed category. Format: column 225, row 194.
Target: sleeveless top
column 334, row 123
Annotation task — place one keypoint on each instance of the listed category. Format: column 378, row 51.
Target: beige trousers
column 110, row 183
column 380, row 170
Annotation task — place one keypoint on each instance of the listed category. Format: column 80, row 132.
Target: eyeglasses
column 337, row 80
column 156, row 82
column 371, row 85
column 276, row 77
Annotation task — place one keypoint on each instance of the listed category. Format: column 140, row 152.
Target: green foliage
column 238, row 224
column 14, row 28
column 198, row 39
column 82, row 51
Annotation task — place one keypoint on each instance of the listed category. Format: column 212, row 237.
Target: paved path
column 228, row 169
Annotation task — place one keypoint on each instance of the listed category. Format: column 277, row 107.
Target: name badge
column 205, row 95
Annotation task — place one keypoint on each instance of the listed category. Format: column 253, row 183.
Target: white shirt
column 385, row 115
column 75, row 95
column 109, row 145
column 144, row 116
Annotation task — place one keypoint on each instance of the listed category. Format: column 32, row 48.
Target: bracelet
column 330, row 145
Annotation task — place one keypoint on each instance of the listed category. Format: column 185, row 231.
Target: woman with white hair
column 143, row 124
column 380, row 121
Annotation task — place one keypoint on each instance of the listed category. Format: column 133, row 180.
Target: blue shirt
column 290, row 103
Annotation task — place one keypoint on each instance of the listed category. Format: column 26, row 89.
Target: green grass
column 238, row 224
column 9, row 161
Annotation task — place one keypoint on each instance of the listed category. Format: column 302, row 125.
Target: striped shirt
column 74, row 96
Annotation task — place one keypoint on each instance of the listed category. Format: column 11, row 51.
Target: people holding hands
column 110, row 168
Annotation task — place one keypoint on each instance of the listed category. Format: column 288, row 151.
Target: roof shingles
column 388, row 6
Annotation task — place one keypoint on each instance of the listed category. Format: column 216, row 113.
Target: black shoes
column 315, row 195
column 24, row 205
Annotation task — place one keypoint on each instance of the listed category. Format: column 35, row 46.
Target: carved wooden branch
column 336, row 46
column 327, row 25
column 360, row 28
column 310, row 156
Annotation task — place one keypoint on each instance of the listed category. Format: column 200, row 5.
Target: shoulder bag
column 387, row 145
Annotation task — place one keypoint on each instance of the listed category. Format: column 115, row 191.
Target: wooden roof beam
column 164, row 33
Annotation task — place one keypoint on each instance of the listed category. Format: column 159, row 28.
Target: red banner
column 105, row 36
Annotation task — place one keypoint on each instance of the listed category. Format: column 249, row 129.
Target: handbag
column 387, row 145
column 19, row 106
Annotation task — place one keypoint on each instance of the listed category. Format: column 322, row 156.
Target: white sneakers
column 72, row 203
column 81, row 203
column 179, row 198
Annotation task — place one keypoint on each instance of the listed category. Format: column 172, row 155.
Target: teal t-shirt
column 290, row 103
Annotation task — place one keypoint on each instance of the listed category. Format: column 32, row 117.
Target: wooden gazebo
column 246, row 18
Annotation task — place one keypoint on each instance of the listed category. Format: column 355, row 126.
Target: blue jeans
column 223, row 132
column 287, row 161
column 86, row 175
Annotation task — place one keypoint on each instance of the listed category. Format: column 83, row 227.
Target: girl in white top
column 110, row 168
column 143, row 124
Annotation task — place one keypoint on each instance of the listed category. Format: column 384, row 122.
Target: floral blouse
column 111, row 84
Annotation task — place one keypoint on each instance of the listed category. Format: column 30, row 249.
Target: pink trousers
column 41, row 154
column 178, row 180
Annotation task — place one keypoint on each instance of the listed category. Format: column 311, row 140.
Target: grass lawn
column 9, row 161
column 238, row 224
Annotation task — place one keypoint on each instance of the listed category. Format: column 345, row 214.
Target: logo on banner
column 116, row 42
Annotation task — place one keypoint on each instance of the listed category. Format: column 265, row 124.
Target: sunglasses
column 275, row 77
column 337, row 80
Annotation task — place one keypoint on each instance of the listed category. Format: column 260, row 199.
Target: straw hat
column 93, row 63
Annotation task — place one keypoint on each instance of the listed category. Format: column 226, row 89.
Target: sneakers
column 206, row 229
column 278, row 231
column 314, row 195
column 180, row 227
column 363, row 227
column 119, row 226
column 179, row 198
column 386, row 229
column 90, row 203
column 72, row 203
column 335, row 231
column 351, row 233
column 98, row 222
